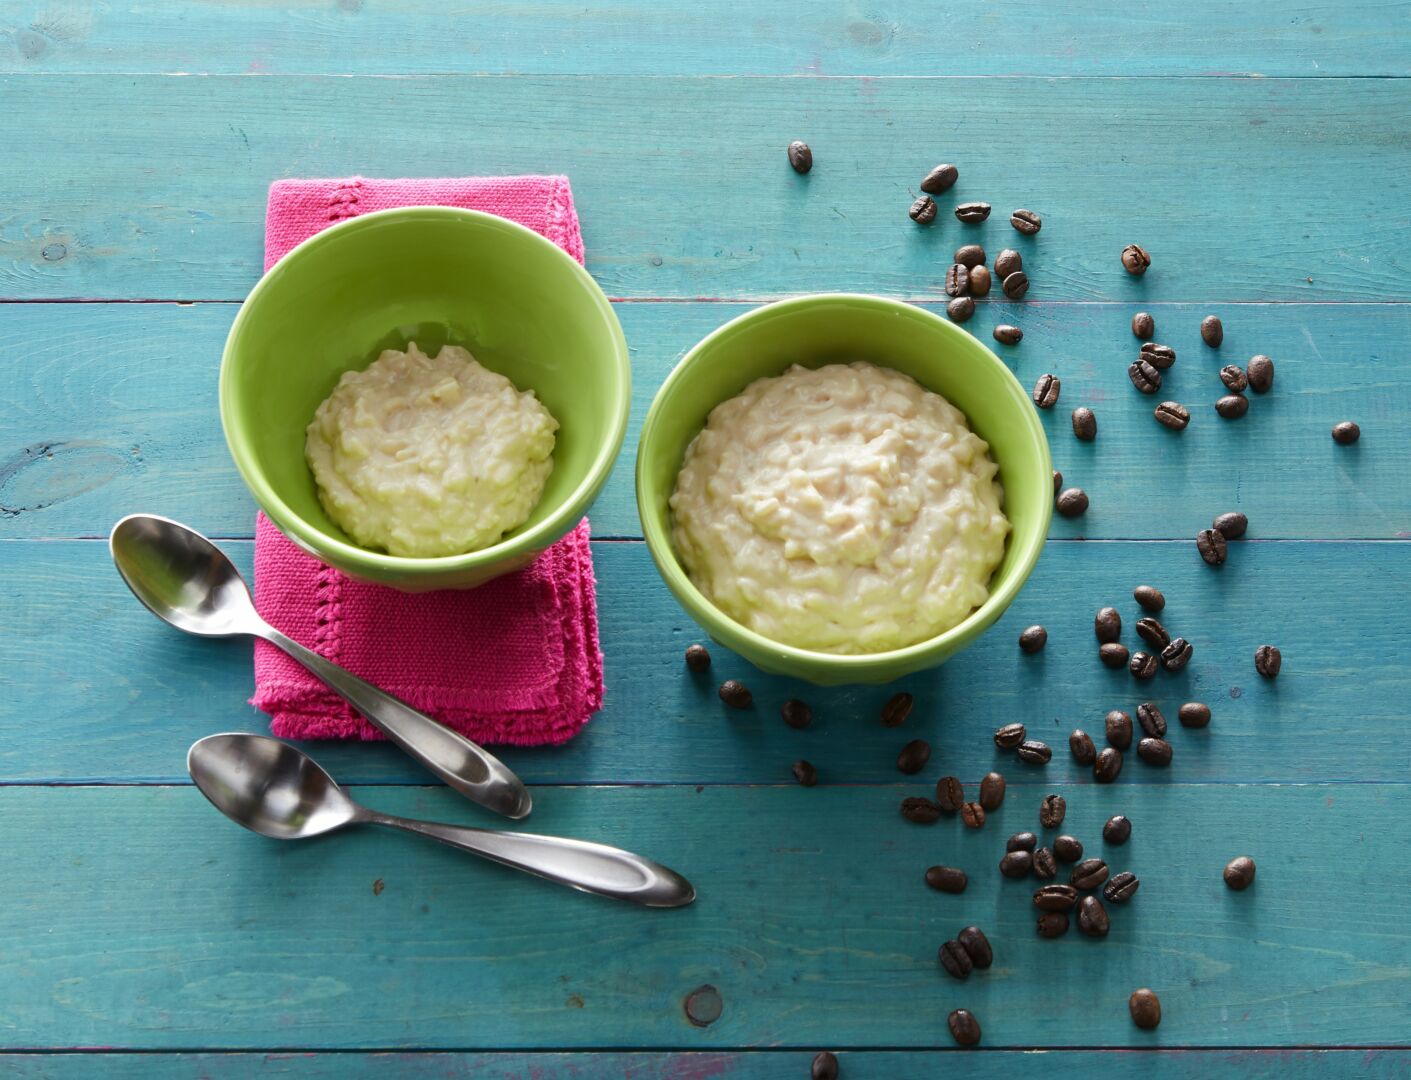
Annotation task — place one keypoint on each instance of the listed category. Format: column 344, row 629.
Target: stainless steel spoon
column 277, row 790
column 186, row 580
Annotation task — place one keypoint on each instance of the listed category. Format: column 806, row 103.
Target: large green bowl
column 817, row 330
column 432, row 275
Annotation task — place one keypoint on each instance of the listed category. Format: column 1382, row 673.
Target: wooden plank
column 708, row 37
column 813, row 925
column 106, row 693
column 112, row 408
column 701, row 202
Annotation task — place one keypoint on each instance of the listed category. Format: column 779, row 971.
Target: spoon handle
column 579, row 864
column 468, row 768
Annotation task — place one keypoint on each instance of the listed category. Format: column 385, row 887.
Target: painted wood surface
column 813, row 925
column 1028, row 37
column 684, row 190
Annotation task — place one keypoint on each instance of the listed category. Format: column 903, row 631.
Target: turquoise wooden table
column 1259, row 151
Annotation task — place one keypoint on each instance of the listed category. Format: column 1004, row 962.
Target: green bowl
column 818, row 330
column 433, row 275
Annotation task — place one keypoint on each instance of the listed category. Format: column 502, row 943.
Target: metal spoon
column 277, row 790
column 186, row 580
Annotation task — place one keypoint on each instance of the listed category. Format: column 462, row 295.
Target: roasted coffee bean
column 1009, row 736
column 1346, row 433
column 1118, row 829
column 1260, row 371
column 825, row 1067
column 1084, row 424
column 1234, row 378
column 1008, row 262
column 950, row 794
column 796, row 713
column 1088, row 874
column 955, row 960
column 1151, row 720
column 1194, row 714
column 1119, row 729
column 1160, row 357
column 1212, row 547
column 973, row 815
column 1056, row 898
column 980, row 281
column 1154, row 751
column 896, row 710
column 1015, row 864
column 923, row 210
column 992, row 791
column 1108, row 765
column 800, row 156
column 977, row 945
column 1053, row 924
column 1149, row 598
column 1026, row 221
column 1046, row 390
column 1143, row 665
column 1067, row 848
column 1045, row 864
column 941, row 178
column 1267, row 661
column 1121, row 887
column 1015, row 285
column 736, row 694
column 970, row 256
column 947, row 879
column 1107, row 624
column 913, row 756
column 1239, row 873
column 1231, row 526
column 1080, row 745
column 1145, row 1008
column 972, row 212
column 1034, row 752
column 1153, row 633
column 1057, row 482
column 1173, row 414
column 1144, row 377
column 957, row 280
column 1113, row 654
column 1021, row 841
column 697, row 658
column 1051, row 811
column 964, row 1028
column 1008, row 335
column 1143, row 325
column 1135, row 260
column 960, row 309
column 1232, row 406
column 921, row 811
column 1177, row 654
column 1092, row 917
column 1212, row 331
column 1072, row 502
column 1033, row 638
column 805, row 773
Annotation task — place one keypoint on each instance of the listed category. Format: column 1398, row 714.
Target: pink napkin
column 514, row 661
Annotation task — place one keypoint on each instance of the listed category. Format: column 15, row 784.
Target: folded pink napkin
column 514, row 661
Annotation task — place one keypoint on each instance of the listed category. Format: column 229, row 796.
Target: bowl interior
column 434, row 276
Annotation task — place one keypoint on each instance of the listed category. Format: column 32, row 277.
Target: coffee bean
column 1009, row 736
column 1143, row 665
column 957, row 280
column 1053, row 924
column 1067, row 848
column 1239, row 873
column 1051, row 812
column 1026, row 221
column 1056, row 898
column 1346, row 433
column 950, row 794
column 955, row 960
column 972, row 212
column 1033, row 638
column 960, row 309
column 1045, row 864
column 940, row 179
column 1143, row 325
column 1121, row 887
column 805, row 773
column 1153, row 633
column 970, row 255
column 980, row 281
column 1072, row 502
column 1212, row 546
column 736, row 694
column 1232, row 406
column 992, row 791
column 1212, row 331
column 923, row 210
column 920, row 811
column 1154, row 751
column 697, row 658
column 947, row 879
column 1145, row 1008
column 1008, row 335
column 1119, row 729
column 977, row 945
column 1260, row 371
column 1057, row 482
column 1135, row 260
column 973, row 815
column 1160, row 357
column 800, row 156
column 913, row 756
column 1149, row 598
column 1015, row 285
column 1015, row 864
column 1177, row 655
column 1118, row 829
column 1108, row 765
column 1231, row 526
column 1113, row 654
column 1268, row 660
column 825, row 1067
column 1234, row 378
column 964, row 1028
column 796, row 713
column 1194, row 714
column 1084, row 424
column 1046, row 390
column 1034, row 752
column 1088, row 874
column 1080, row 745
column 896, row 710
column 1144, row 377
column 1173, row 414
column 1008, row 262
column 1021, row 841
column 1151, row 720
column 1092, row 917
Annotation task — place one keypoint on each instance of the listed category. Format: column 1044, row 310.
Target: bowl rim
column 725, row 628
column 330, row 548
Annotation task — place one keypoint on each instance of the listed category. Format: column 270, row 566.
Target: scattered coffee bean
column 1053, row 924
column 1021, row 841
column 1231, row 526
column 1118, row 829
column 1239, row 873
column 1232, row 406
column 1088, row 874
column 1113, row 654
column 1154, row 751
column 1008, row 335
column 977, row 945
column 1119, row 729
column 1046, row 391
column 1234, row 378
column 1143, row 325
column 1067, row 848
column 1034, row 752
column 923, row 210
column 950, row 794
column 1033, row 638
column 1008, row 262
column 1057, row 482
column 980, row 281
column 1135, row 260
column 1173, row 414
column 1107, row 624
column 1260, row 371
column 1150, row 598
column 972, row 212
column 1051, row 812
column 1084, row 424
column 920, row 811
column 1056, row 898
column 960, row 309
column 1108, row 765
column 1212, row 546
column 1016, row 864
column 1212, row 331
column 1153, row 633
column 1268, row 660
column 1346, row 433
column 955, row 960
column 896, row 710
column 947, row 879
column 800, row 156
column 1026, row 221
column 796, row 713
column 1072, row 502
column 697, row 658
column 1143, row 665
column 992, row 791
column 1145, row 1008
column 1177, row 654
column 1160, row 357
column 1092, row 917
column 1015, row 285
column 805, row 773
column 1144, row 377
column 1121, row 887
column 1009, row 736
column 970, row 256
column 913, row 756
column 736, row 694
column 1045, row 864
column 957, row 280
column 964, row 1028
column 940, row 179
column 973, row 815
column 1080, row 745
column 1151, row 720
column 825, row 1067
column 1194, row 714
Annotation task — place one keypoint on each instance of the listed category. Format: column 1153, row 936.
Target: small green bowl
column 433, row 275
column 818, row 330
